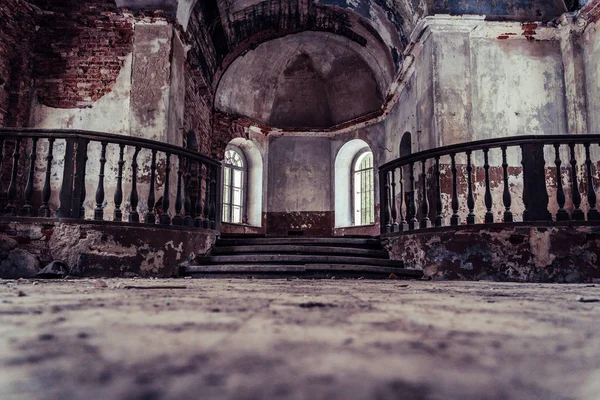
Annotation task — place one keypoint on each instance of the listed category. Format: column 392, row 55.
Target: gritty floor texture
column 298, row 339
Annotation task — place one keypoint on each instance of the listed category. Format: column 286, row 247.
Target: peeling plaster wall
column 537, row 253
column 299, row 185
column 108, row 114
column 109, row 249
column 592, row 68
column 518, row 88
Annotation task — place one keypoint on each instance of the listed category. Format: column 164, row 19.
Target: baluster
column 414, row 222
column 80, row 176
column 188, row 220
column 178, row 218
column 403, row 223
column 470, row 198
column 198, row 218
column 150, row 218
column 562, row 214
column 99, row 211
column 213, row 198
column 593, row 214
column 134, row 216
column 206, row 209
column 119, row 190
column 164, row 217
column 489, row 216
column 425, row 221
column 12, row 187
column 506, row 197
column 388, row 208
column 27, row 209
column 525, row 202
column 577, row 214
column 44, row 210
column 439, row 205
column 455, row 219
column 393, row 200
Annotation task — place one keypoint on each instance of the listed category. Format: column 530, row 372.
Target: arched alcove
column 343, row 180
column 254, row 185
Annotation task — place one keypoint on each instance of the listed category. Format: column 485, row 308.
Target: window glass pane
column 226, row 196
column 225, row 213
column 237, row 197
column 237, row 215
column 237, row 178
column 226, row 175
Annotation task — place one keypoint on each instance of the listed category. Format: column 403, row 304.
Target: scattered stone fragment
column 21, row 293
column 100, row 284
column 393, row 276
column 314, row 304
column 582, row 299
column 19, row 264
column 6, row 245
column 154, row 287
column 55, row 270
column 44, row 337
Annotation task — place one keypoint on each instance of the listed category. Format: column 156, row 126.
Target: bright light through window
column 364, row 207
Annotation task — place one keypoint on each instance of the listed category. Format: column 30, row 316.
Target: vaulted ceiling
column 260, row 61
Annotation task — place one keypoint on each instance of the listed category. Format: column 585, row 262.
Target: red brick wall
column 81, row 47
column 198, row 109
column 17, row 29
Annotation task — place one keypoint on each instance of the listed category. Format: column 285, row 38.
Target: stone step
column 301, row 240
column 314, row 270
column 299, row 249
column 297, row 259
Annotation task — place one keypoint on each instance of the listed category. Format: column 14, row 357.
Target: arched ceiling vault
column 254, row 53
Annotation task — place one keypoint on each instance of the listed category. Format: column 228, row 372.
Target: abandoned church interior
column 407, row 140
column 454, row 138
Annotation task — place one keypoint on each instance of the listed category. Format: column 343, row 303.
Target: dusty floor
column 298, row 339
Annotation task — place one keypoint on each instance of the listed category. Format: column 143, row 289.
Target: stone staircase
column 273, row 257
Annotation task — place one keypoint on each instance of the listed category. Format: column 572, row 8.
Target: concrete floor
column 298, row 339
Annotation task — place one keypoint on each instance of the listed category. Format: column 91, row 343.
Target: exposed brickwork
column 591, row 11
column 81, row 47
column 17, row 29
column 198, row 108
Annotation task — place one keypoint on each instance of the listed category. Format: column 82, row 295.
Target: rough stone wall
column 100, row 250
column 81, row 47
column 17, row 31
column 537, row 253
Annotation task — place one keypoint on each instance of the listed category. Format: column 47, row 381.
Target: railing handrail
column 489, row 143
column 108, row 137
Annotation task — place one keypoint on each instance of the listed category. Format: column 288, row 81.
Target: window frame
column 354, row 169
column 244, row 188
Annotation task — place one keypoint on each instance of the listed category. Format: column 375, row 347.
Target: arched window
column 234, row 176
column 363, row 188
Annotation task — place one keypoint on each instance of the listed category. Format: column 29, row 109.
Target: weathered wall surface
column 299, row 185
column 100, row 250
column 538, row 253
column 17, row 32
column 591, row 55
column 81, row 47
column 518, row 88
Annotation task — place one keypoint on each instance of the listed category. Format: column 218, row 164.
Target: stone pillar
column 571, row 43
column 157, row 86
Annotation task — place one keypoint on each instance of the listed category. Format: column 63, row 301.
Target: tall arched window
column 364, row 190
column 234, row 175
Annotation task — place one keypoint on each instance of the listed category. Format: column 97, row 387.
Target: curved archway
column 254, row 182
column 305, row 80
column 344, row 161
